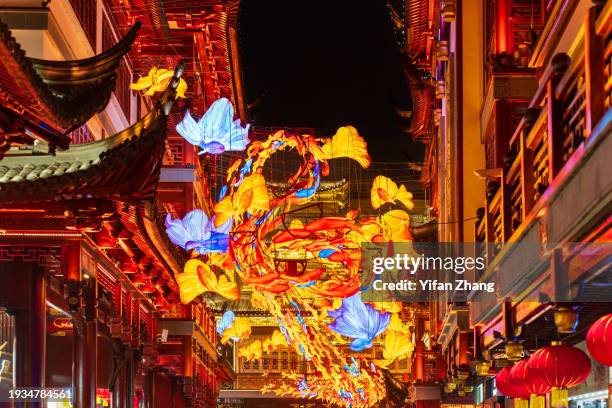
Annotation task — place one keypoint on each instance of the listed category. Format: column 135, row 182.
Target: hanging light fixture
column 560, row 366
column 449, row 11
column 566, row 319
column 442, row 52
column 505, row 385
column 531, row 385
column 599, row 340
column 514, row 350
column 482, row 368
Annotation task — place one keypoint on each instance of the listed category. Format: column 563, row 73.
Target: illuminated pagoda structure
column 517, row 162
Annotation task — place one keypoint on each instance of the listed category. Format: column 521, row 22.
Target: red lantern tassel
column 558, row 398
column 537, row 401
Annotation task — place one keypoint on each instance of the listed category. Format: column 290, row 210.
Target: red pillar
column 31, row 335
column 464, row 338
column 419, row 352
column 85, row 370
column 23, row 291
column 501, row 28
column 508, row 319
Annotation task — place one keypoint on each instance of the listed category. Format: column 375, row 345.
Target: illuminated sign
column 62, row 323
column 59, row 324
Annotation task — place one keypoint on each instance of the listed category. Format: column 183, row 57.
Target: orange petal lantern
column 599, row 340
column 560, row 366
column 507, row 386
column 524, row 380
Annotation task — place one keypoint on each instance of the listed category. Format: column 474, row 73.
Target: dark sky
column 324, row 64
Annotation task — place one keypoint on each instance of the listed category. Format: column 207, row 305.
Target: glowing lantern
column 560, row 366
column 450, row 387
column 482, row 368
column 290, row 267
column 157, row 80
column 529, row 384
column 359, row 321
column 505, row 385
column 514, row 350
column 147, row 288
column 599, row 340
column 217, row 131
column 566, row 320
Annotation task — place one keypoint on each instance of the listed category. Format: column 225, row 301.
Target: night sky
column 324, row 64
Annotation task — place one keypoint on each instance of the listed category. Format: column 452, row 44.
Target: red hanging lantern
column 599, row 340
column 560, row 366
column 505, row 384
column 529, row 384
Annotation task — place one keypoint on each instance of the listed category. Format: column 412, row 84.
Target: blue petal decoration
column 303, row 285
column 353, row 369
column 310, row 191
column 217, row 243
column 246, row 168
column 359, row 321
column 284, row 331
column 325, row 253
column 304, row 389
column 217, row 131
column 212, row 148
column 196, row 231
column 225, row 322
column 222, row 192
column 195, row 226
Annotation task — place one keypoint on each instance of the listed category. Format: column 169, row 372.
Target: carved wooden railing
column 572, row 97
column 81, row 135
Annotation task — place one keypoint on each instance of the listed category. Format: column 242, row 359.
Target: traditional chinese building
column 88, row 171
column 517, row 163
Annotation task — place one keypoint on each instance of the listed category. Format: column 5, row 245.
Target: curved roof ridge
column 57, row 96
column 124, row 165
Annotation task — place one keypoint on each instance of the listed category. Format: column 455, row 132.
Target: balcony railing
column 81, row 135
column 572, row 98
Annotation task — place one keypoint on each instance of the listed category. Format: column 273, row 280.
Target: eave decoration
column 46, row 100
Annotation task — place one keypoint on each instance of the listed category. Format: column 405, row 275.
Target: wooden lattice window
column 124, row 73
column 86, row 13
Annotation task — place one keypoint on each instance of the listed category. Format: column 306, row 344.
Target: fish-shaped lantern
column 347, row 143
column 217, row 131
